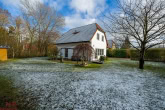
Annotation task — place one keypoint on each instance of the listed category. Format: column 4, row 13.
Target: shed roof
column 4, row 47
column 79, row 34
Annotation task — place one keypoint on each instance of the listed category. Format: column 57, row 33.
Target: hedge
column 155, row 54
column 109, row 53
column 118, row 53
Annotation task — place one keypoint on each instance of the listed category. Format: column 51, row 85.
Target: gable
column 101, row 34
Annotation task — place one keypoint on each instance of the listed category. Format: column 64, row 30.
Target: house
column 3, row 53
column 92, row 34
column 111, row 44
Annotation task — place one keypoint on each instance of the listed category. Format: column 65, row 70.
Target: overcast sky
column 76, row 12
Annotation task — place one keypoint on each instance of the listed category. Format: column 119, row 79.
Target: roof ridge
column 83, row 26
column 79, row 27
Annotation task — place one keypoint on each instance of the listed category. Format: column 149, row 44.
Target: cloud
column 16, row 3
column 89, row 7
column 57, row 4
column 76, row 20
column 83, row 5
column 86, row 12
column 76, row 12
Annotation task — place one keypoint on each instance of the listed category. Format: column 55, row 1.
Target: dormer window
column 98, row 36
column 103, row 38
column 75, row 32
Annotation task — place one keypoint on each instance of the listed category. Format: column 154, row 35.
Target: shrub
column 163, row 56
column 52, row 51
column 128, row 53
column 109, row 53
column 102, row 58
column 76, row 58
column 134, row 54
column 164, row 59
column 154, row 54
column 120, row 53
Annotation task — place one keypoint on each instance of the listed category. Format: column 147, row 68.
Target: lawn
column 117, row 84
column 7, row 92
column 74, row 63
column 9, row 60
column 90, row 64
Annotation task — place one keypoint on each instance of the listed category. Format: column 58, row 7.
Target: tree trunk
column 13, row 53
column 141, row 59
column 46, row 51
column 83, row 58
column 77, row 59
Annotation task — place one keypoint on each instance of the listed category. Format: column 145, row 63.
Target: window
column 96, row 54
column 99, row 52
column 75, row 32
column 66, row 52
column 98, row 36
column 103, row 38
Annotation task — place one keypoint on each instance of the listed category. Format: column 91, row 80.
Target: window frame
column 103, row 51
column 98, row 36
column 66, row 52
column 99, row 52
column 102, row 38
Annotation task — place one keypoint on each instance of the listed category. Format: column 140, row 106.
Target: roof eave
column 72, row 42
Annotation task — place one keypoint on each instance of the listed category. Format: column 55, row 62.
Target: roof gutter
column 72, row 42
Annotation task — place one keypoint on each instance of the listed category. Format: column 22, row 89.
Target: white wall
column 99, row 44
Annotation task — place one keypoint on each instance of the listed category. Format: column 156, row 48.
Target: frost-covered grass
column 51, row 85
column 155, row 67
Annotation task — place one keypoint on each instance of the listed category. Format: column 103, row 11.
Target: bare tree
column 143, row 21
column 126, row 43
column 4, row 17
column 83, row 51
column 18, row 35
column 41, row 21
column 118, row 42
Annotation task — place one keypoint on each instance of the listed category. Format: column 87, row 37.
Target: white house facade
column 92, row 34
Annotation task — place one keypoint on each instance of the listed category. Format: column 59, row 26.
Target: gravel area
column 56, row 86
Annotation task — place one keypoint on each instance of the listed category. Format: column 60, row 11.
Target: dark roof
column 4, row 47
column 79, row 34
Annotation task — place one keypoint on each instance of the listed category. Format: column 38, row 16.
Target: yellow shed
column 3, row 53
